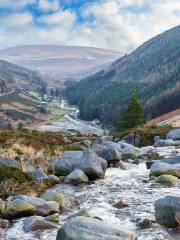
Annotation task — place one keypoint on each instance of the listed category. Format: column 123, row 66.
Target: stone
column 129, row 150
column 53, row 218
column 174, row 134
column 38, row 174
column 53, row 179
column 4, row 223
column 76, row 177
column 166, row 179
column 2, row 205
column 145, row 223
column 156, row 138
column 132, row 138
column 86, row 228
column 52, row 195
column 105, row 138
column 35, row 223
column 120, row 204
column 166, row 209
column 43, row 207
column 19, row 208
column 161, row 168
column 10, row 162
column 111, row 155
column 164, row 143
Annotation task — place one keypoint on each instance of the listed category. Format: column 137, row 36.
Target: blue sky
column 120, row 25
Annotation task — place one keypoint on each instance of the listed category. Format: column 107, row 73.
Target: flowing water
column 131, row 185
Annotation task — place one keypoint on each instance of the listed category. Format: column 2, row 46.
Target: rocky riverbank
column 108, row 190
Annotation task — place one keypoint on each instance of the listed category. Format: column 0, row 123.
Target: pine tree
column 134, row 115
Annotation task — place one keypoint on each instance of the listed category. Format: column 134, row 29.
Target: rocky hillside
column 153, row 69
column 60, row 62
column 13, row 76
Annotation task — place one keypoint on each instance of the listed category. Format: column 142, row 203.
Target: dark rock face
column 132, row 138
column 166, row 209
column 92, row 165
column 86, row 228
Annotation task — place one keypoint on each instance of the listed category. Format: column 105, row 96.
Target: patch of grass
column 56, row 111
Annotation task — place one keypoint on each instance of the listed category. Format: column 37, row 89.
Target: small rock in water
column 53, row 218
column 37, row 223
column 76, row 177
column 166, row 179
column 4, row 223
column 120, row 204
column 146, row 223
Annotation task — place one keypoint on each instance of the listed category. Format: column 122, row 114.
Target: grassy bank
column 56, row 112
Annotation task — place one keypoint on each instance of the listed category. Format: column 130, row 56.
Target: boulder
column 86, row 228
column 105, row 138
column 174, row 134
column 53, row 179
column 53, row 218
column 37, row 223
column 77, row 177
column 10, row 162
column 2, row 205
column 166, row 209
column 166, row 179
column 65, row 165
column 156, row 138
column 111, row 155
column 19, row 208
column 164, row 143
column 132, row 138
column 52, row 195
column 129, row 150
column 4, row 223
column 38, row 174
column 169, row 160
column 161, row 168
column 43, row 207
column 88, row 161
column 92, row 165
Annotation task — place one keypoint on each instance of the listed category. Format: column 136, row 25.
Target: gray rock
column 10, row 162
column 53, row 218
column 65, row 165
column 43, row 207
column 166, row 209
column 37, row 223
column 53, row 179
column 132, row 138
column 76, row 177
column 19, row 208
column 92, row 165
column 52, row 195
column 156, row 138
column 111, row 155
column 86, row 228
column 164, row 143
column 105, row 138
column 174, row 134
column 169, row 160
column 129, row 150
column 38, row 174
column 161, row 168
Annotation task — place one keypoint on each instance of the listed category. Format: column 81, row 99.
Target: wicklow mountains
column 153, row 69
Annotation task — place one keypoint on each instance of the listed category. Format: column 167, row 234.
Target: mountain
column 153, row 68
column 60, row 62
column 13, row 76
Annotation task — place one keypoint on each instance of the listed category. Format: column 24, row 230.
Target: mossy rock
column 166, row 179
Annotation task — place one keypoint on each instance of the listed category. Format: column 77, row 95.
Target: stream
column 131, row 185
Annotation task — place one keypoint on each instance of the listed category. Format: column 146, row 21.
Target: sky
column 120, row 25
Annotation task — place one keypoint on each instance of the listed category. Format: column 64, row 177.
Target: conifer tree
column 134, row 115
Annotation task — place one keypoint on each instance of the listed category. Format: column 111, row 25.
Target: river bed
column 131, row 185
column 70, row 124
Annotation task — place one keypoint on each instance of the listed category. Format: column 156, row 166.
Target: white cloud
column 15, row 4
column 114, row 24
column 49, row 5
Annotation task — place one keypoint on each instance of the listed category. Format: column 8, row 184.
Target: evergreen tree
column 134, row 115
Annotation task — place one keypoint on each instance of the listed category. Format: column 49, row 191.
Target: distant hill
column 60, row 62
column 13, row 76
column 153, row 68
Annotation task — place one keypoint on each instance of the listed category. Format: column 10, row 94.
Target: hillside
column 153, row 69
column 20, row 107
column 60, row 62
column 13, row 76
